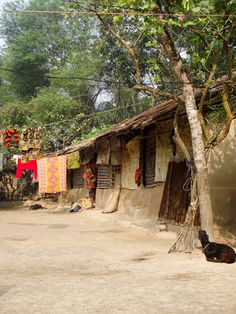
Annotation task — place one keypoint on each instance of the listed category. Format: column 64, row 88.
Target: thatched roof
column 163, row 111
column 137, row 122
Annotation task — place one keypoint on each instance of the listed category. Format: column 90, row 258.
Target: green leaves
column 186, row 4
column 118, row 19
column 35, row 43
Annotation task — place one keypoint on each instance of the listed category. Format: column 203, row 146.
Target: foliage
column 35, row 43
column 66, row 69
column 14, row 114
column 52, row 105
column 201, row 40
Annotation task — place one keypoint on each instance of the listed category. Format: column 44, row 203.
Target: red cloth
column 138, row 175
column 30, row 165
column 11, row 137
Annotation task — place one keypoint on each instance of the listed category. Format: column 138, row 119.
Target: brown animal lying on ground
column 36, row 206
column 215, row 252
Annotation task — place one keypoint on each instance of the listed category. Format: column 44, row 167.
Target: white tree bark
column 203, row 189
column 199, row 160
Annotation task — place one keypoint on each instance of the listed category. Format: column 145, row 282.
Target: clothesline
column 132, row 12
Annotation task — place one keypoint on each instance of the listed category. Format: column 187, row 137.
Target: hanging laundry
column 38, row 138
column 31, row 138
column 73, row 160
column 11, row 137
column 35, row 154
column 31, row 154
column 30, row 165
column 138, row 176
column 31, row 132
column 24, row 158
column 1, row 161
column 90, row 175
column 23, row 144
column 52, row 174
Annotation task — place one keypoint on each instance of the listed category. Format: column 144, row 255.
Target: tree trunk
column 199, row 160
column 203, row 189
column 189, row 100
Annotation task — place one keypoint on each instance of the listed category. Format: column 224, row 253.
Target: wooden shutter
column 104, row 176
column 77, row 175
column 150, row 161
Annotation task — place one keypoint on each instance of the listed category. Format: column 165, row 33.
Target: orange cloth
column 11, row 137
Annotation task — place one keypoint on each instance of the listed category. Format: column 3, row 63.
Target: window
column 107, row 176
column 104, row 176
column 77, row 178
column 150, row 161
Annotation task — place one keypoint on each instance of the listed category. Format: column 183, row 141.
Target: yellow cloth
column 35, row 155
column 73, row 160
column 85, row 203
column 52, row 174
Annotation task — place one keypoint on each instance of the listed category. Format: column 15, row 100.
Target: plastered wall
column 222, row 179
column 141, row 203
column 74, row 195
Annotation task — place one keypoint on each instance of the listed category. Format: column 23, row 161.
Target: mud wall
column 141, row 203
column 130, row 162
column 107, row 199
column 74, row 195
column 222, row 179
column 165, row 150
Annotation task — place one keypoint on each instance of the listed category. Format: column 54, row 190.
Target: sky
column 1, row 4
column 4, row 1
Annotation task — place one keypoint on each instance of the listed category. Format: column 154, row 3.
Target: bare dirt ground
column 93, row 263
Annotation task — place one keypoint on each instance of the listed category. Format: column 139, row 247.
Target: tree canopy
column 57, row 66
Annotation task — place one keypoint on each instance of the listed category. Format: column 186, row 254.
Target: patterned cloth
column 73, row 160
column 35, row 154
column 31, row 138
column 52, row 174
column 11, row 137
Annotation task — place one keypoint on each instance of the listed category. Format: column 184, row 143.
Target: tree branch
column 203, row 98
column 229, row 117
column 201, row 36
column 226, row 93
column 134, row 44
column 155, row 91
column 130, row 49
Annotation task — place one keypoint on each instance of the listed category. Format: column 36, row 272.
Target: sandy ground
column 94, row 263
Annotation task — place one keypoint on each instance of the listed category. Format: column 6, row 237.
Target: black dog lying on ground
column 215, row 252
column 36, row 206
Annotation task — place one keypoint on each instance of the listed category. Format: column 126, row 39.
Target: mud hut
column 142, row 172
